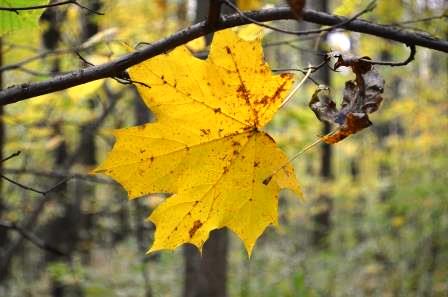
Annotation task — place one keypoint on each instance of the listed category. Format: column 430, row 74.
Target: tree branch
column 409, row 59
column 16, row 154
column 17, row 9
column 59, row 175
column 368, row 8
column 114, row 68
column 31, row 237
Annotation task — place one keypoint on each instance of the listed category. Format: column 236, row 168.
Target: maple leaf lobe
column 206, row 146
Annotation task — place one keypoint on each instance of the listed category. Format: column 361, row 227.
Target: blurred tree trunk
column 87, row 156
column 322, row 219
column 143, row 116
column 60, row 231
column 3, row 231
column 206, row 275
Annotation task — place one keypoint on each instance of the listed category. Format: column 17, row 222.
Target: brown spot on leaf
column 263, row 100
column 267, row 180
column 205, row 132
column 196, row 225
column 142, row 151
column 278, row 92
column 256, row 163
column 225, row 169
column 228, row 50
column 243, row 93
column 216, row 110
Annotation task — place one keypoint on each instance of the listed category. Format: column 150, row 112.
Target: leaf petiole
column 297, row 87
column 301, row 152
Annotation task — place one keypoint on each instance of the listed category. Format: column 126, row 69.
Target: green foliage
column 11, row 21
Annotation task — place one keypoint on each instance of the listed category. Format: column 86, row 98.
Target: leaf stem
column 301, row 152
column 296, row 88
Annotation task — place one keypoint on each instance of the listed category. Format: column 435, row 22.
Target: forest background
column 375, row 218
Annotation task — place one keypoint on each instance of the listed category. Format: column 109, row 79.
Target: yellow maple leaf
column 248, row 4
column 206, row 146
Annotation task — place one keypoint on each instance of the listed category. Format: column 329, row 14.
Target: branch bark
column 31, row 237
column 118, row 66
column 18, row 9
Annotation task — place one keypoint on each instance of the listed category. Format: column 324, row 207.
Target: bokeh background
column 374, row 221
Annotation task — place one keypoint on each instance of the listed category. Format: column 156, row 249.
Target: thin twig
column 58, row 175
column 25, row 91
column 28, row 188
column 60, row 183
column 17, row 9
column 42, row 55
column 296, row 88
column 34, row 72
column 31, row 237
column 82, row 58
column 10, row 156
column 123, row 78
column 25, row 187
column 268, row 179
column 310, row 68
column 214, row 13
column 387, row 63
column 443, row 16
column 298, row 70
column 369, row 8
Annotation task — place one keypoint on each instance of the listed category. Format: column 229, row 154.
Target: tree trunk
column 142, row 116
column 87, row 156
column 206, row 275
column 3, row 231
column 322, row 219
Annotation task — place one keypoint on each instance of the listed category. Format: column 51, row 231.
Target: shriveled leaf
column 361, row 97
column 353, row 123
column 206, row 146
column 297, row 7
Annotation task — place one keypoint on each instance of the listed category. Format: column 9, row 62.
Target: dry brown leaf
column 297, row 7
column 361, row 97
